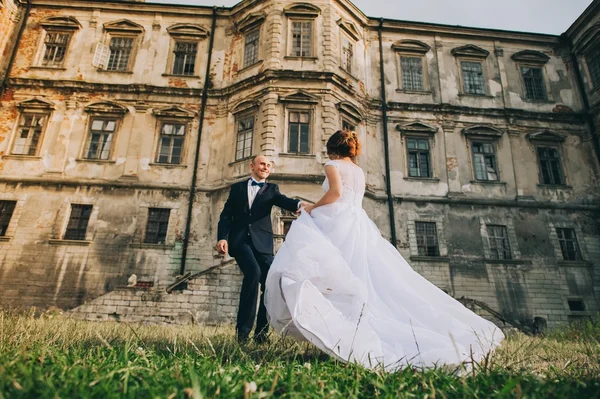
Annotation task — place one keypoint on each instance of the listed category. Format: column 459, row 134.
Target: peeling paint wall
column 38, row 267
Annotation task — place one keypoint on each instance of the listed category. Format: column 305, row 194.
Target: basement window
column 576, row 305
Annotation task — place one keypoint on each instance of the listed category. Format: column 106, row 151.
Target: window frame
column 6, row 218
column 471, row 54
column 579, row 236
column 185, row 33
column 511, row 236
column 247, row 114
column 350, row 69
column 247, row 63
column 122, row 29
column 537, row 60
column 574, row 238
column 194, row 58
column 157, row 154
column 102, row 111
column 160, row 223
column 436, row 252
column 411, row 49
column 479, row 141
column 542, row 78
column 312, row 45
column 419, row 152
column 441, row 238
column 420, row 131
column 79, row 230
column 463, row 80
column 299, row 111
column 56, row 25
column 594, row 81
column 36, row 107
column 561, row 171
column 18, row 128
column 493, row 238
column 300, row 101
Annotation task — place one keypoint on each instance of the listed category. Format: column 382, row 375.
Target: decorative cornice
column 350, row 29
column 174, row 112
column 300, row 97
column 411, row 46
column 351, row 111
column 36, row 104
column 530, row 56
column 61, row 23
column 123, row 26
column 547, row 135
column 482, row 131
column 187, row 31
column 305, row 10
column 416, row 127
column 250, row 22
column 105, row 107
column 470, row 50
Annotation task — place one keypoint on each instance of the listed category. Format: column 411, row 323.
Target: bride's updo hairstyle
column 343, row 143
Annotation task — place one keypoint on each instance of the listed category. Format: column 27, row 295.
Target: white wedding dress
column 339, row 284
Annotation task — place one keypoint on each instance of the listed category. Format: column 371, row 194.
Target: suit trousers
column 255, row 266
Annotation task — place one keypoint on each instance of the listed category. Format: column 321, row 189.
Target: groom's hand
column 303, row 204
column 222, row 247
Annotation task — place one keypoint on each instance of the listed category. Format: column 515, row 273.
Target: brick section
column 210, row 299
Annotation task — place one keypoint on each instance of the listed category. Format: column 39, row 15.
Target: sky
column 540, row 16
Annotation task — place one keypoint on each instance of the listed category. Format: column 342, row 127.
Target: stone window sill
column 421, row 92
column 423, row 179
column 175, row 75
column 22, row 157
column 508, row 262
column 48, row 68
column 574, row 263
column 143, row 245
column 293, row 57
column 556, row 186
column 538, row 101
column 246, row 68
column 295, row 155
column 241, row 160
column 80, row 243
column 491, row 182
column 467, row 95
column 430, row 258
column 109, row 161
column 5, row 239
column 168, row 165
column 122, row 72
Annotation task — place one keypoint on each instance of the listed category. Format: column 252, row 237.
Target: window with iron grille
column 533, row 79
column 29, row 132
column 472, row 73
column 100, row 139
column 184, row 58
column 172, row 136
column 55, row 48
column 302, row 38
column 120, row 52
column 245, row 135
column 427, row 240
column 484, row 161
column 251, row 47
column 299, row 131
column 499, row 244
column 6, row 211
column 550, row 166
column 412, row 73
column 592, row 59
column 157, row 226
column 78, row 222
column 568, row 244
column 419, row 163
column 347, row 54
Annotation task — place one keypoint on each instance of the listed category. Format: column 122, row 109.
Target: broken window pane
column 55, row 48
column 29, row 132
column 171, row 143
column 120, row 52
column 99, row 145
column 484, row 161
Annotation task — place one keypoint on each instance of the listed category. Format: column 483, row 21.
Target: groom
column 245, row 231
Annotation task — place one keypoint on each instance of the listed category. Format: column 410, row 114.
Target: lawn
column 53, row 356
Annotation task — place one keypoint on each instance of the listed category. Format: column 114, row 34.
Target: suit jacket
column 238, row 220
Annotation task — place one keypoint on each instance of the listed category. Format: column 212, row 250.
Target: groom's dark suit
column 249, row 234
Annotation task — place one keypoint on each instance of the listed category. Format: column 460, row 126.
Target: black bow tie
column 255, row 183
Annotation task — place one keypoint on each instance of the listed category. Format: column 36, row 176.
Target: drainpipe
column 207, row 83
column 13, row 54
column 386, row 147
column 586, row 104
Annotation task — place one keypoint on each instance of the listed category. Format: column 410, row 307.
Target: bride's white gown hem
column 339, row 284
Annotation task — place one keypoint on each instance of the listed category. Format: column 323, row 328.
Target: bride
column 338, row 284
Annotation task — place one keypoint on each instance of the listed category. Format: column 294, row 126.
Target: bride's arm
column 335, row 188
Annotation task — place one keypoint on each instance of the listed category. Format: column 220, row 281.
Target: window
column 412, row 73
column 302, row 38
column 472, row 74
column 499, row 244
column 576, row 305
column 6, row 211
column 419, row 164
column 348, row 125
column 427, row 240
column 29, row 131
column 347, row 54
column 245, row 133
column 55, row 48
column 184, row 58
column 299, row 131
column 78, row 222
column 251, row 47
column 120, row 53
column 157, row 226
column 568, row 244
column 593, row 63
column 533, row 79
column 100, row 139
column 484, row 161
column 550, row 166
column 172, row 136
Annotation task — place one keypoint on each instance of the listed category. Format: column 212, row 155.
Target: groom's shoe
column 261, row 338
column 242, row 339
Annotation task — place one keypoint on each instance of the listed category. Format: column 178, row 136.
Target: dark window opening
column 6, row 211
column 568, row 244
column 576, row 305
column 427, row 239
column 550, row 166
column 157, row 226
column 419, row 158
column 299, row 131
column 499, row 243
column 78, row 222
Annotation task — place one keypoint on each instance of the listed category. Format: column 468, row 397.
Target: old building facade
column 123, row 124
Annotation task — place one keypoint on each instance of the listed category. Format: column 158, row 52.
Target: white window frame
column 299, row 13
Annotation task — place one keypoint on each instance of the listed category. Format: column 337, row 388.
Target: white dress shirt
column 252, row 191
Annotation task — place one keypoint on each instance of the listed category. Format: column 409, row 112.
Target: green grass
column 54, row 356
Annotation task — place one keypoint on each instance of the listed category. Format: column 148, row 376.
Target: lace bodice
column 353, row 180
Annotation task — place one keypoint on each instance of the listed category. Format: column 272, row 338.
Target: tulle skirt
column 339, row 284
